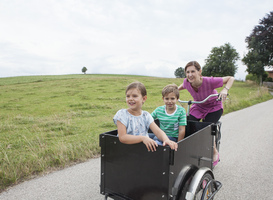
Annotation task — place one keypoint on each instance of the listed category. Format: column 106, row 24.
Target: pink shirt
column 207, row 88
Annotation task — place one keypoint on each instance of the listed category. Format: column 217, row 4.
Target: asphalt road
column 245, row 169
column 246, row 154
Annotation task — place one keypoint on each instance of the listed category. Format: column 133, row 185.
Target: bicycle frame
column 218, row 124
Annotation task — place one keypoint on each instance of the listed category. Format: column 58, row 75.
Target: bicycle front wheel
column 205, row 188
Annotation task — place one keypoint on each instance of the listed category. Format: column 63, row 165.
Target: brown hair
column 193, row 63
column 169, row 89
column 138, row 86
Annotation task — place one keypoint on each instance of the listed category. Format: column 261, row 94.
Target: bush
column 252, row 77
column 268, row 79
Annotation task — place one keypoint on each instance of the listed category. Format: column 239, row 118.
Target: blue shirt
column 135, row 125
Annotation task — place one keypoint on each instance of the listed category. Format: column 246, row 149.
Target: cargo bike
column 130, row 172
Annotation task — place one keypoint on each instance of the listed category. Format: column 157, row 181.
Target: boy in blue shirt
column 172, row 118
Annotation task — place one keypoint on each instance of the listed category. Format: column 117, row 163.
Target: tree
column 180, row 73
column 221, row 62
column 84, row 69
column 260, row 47
column 255, row 66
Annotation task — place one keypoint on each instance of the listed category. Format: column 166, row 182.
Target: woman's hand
column 150, row 143
column 223, row 95
column 228, row 81
column 173, row 145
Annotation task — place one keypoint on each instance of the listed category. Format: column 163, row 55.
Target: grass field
column 49, row 122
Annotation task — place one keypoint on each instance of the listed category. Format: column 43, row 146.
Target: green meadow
column 50, row 122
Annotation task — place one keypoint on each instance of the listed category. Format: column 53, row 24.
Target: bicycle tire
column 205, row 189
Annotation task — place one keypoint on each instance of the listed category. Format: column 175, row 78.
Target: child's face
column 170, row 101
column 134, row 99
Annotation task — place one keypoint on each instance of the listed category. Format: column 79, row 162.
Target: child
column 172, row 118
column 133, row 123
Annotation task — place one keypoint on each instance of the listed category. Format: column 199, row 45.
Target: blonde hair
column 169, row 89
column 137, row 85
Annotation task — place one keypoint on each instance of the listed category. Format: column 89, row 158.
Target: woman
column 200, row 87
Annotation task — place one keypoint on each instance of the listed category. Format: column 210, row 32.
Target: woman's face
column 192, row 74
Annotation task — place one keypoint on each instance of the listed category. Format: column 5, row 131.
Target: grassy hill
column 49, row 122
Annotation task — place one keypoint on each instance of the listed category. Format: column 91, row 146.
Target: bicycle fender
column 195, row 181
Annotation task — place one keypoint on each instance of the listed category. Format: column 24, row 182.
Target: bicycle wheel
column 205, row 188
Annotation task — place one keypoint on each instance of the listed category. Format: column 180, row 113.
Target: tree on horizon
column 84, row 69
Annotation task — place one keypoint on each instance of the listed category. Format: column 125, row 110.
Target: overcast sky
column 144, row 37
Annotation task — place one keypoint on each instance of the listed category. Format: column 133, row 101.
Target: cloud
column 151, row 37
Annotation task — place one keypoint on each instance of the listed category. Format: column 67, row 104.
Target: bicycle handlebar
column 198, row 102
